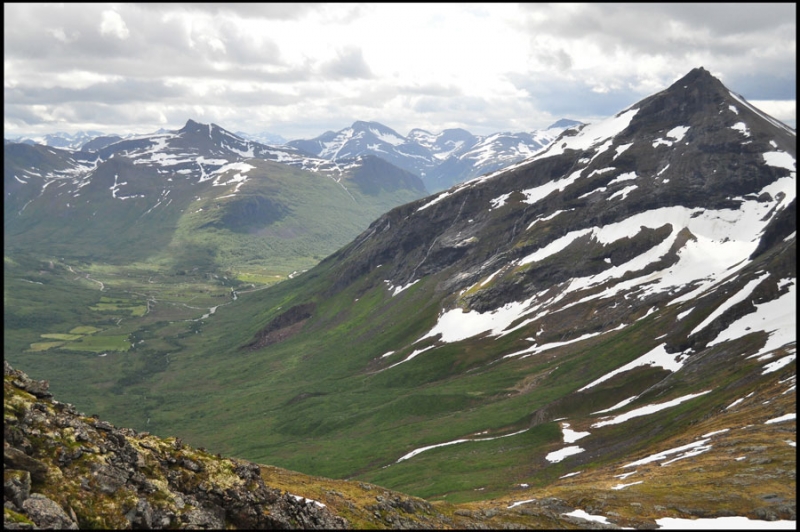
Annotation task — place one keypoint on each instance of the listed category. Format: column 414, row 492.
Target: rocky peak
column 191, row 125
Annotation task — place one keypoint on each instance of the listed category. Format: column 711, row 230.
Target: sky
column 298, row 70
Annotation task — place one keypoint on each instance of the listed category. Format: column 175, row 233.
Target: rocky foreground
column 66, row 470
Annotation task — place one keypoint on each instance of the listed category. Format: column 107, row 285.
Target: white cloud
column 112, row 24
column 783, row 110
column 300, row 69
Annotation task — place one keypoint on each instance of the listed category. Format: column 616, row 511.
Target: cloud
column 654, row 28
column 299, row 69
column 112, row 24
column 112, row 92
column 271, row 10
column 576, row 96
column 783, row 110
column 347, row 64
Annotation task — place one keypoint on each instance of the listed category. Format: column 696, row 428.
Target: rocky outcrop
column 63, row 469
column 286, row 325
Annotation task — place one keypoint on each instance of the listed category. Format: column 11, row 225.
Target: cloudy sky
column 298, row 70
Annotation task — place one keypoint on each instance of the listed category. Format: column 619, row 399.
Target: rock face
column 68, row 471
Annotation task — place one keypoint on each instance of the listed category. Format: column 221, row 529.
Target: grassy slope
column 314, row 404
column 280, row 220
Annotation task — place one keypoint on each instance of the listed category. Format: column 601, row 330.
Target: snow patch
column 781, row 419
column 624, row 402
column 621, row 149
column 741, row 127
column 656, row 357
column 423, row 449
column 500, row 201
column 677, row 133
column 780, row 159
column 571, row 436
column 557, row 456
column 723, row 523
column 647, row 410
column 627, row 176
column 589, row 517
column 778, row 318
column 622, row 194
column 741, row 295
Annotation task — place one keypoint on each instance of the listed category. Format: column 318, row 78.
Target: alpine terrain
column 603, row 334
column 440, row 160
column 197, row 197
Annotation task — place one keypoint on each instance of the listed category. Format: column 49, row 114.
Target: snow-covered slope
column 441, row 159
column 629, row 281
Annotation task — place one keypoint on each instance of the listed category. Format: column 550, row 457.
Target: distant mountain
column 263, row 138
column 442, row 159
column 98, row 143
column 489, row 154
column 70, row 141
column 370, row 138
column 446, row 143
column 162, row 193
column 564, row 123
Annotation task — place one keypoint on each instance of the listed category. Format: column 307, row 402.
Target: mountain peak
column 191, row 125
column 361, row 125
column 564, row 123
column 699, row 79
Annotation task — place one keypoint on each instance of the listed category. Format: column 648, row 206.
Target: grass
column 323, row 402
column 84, row 329
column 316, row 389
column 99, row 344
column 59, row 336
column 44, row 346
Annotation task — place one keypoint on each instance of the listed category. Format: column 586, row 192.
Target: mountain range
column 199, row 195
column 71, row 141
column 440, row 160
column 609, row 323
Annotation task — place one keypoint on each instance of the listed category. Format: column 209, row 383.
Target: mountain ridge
column 154, row 179
column 442, row 159
column 645, row 184
column 450, row 156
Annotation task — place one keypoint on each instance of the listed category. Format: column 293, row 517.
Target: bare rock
column 16, row 486
column 47, row 513
column 15, row 459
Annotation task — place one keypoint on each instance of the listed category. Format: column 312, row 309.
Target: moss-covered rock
column 66, row 470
